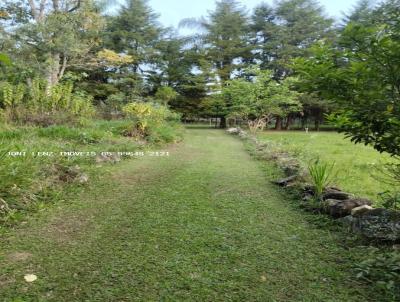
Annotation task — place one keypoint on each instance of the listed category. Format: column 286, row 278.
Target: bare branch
column 41, row 9
column 37, row 14
column 56, row 5
column 78, row 5
column 33, row 9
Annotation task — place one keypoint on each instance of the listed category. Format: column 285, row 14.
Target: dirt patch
column 66, row 229
column 18, row 256
column 4, row 282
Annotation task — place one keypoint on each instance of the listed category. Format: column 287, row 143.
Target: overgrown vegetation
column 36, row 169
column 382, row 269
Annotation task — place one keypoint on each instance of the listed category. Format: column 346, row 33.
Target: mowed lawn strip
column 204, row 224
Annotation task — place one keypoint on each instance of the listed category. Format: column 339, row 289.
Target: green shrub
column 390, row 200
column 321, row 176
column 149, row 120
column 166, row 133
column 382, row 268
column 38, row 106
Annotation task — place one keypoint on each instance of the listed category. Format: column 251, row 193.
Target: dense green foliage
column 360, row 72
column 259, row 100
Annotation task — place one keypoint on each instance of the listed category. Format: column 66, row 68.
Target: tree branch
column 63, row 67
column 78, row 5
column 33, row 9
column 56, row 5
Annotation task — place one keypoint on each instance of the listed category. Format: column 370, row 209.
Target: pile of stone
column 238, row 131
column 357, row 213
column 108, row 157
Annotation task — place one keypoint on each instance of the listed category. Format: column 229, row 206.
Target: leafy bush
column 382, row 268
column 390, row 200
column 167, row 133
column 39, row 106
column 147, row 116
column 321, row 175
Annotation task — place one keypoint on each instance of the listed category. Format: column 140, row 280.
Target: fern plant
column 322, row 174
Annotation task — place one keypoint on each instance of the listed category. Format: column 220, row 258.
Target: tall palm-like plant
column 322, row 174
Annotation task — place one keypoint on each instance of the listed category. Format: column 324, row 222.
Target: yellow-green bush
column 36, row 104
column 147, row 117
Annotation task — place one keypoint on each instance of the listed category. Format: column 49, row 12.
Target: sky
column 172, row 11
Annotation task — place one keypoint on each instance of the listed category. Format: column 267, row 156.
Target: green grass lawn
column 204, row 224
column 356, row 165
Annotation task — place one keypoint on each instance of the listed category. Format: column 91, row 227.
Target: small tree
column 165, row 95
column 257, row 101
column 361, row 75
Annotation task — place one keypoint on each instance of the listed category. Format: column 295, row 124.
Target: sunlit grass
column 356, row 165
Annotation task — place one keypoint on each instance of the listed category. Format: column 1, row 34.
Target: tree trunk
column 222, row 124
column 288, row 122
column 303, row 122
column 317, row 124
column 278, row 123
column 55, row 70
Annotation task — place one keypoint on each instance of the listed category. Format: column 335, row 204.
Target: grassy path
column 201, row 225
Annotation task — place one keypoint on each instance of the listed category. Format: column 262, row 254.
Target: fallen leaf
column 30, row 277
column 263, row 278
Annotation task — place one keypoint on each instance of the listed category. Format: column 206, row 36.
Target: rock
column 347, row 220
column 83, row 178
column 107, row 157
column 340, row 208
column 233, row 130
column 333, row 194
column 243, row 134
column 4, row 208
column 307, row 197
column 68, row 174
column 379, row 224
column 285, row 181
column 360, row 210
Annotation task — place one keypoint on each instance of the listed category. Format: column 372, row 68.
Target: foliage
column 321, row 174
column 285, row 31
column 390, row 200
column 146, row 116
column 4, row 59
column 134, row 31
column 383, row 269
column 111, row 58
column 53, row 36
column 165, row 95
column 258, row 100
column 35, row 103
column 360, row 74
